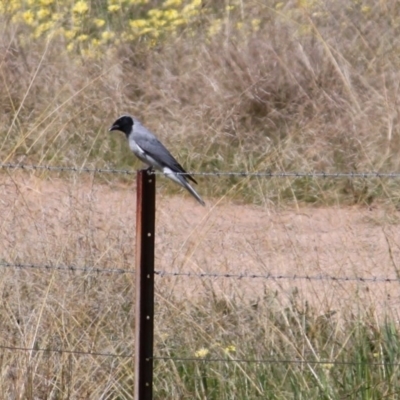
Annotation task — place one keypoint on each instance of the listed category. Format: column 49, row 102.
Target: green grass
column 348, row 357
column 311, row 356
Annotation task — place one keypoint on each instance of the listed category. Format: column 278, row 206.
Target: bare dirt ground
column 79, row 221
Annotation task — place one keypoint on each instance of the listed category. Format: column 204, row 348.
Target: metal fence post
column 144, row 322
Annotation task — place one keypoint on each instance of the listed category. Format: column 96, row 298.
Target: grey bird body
column 152, row 152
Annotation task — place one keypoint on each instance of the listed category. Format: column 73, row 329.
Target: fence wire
column 239, row 276
column 278, row 277
column 67, row 268
column 275, row 361
column 259, row 174
column 64, row 351
column 202, row 360
column 32, row 167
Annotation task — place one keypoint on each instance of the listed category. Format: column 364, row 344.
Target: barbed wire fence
column 238, row 276
column 203, row 275
column 260, row 174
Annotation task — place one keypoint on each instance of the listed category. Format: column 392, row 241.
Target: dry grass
column 311, row 90
column 80, row 221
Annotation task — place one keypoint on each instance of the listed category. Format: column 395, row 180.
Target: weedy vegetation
column 243, row 86
column 248, row 86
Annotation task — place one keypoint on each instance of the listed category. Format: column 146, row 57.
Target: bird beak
column 114, row 128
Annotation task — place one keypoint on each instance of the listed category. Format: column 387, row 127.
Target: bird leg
column 150, row 170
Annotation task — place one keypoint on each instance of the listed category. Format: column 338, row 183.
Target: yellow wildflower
column 80, row 7
column 192, row 9
column 107, row 35
column 155, row 14
column 70, row 34
column 201, row 353
column 327, row 367
column 42, row 28
column 113, row 7
column 138, row 23
column 28, row 17
column 82, row 38
column 147, row 30
column 214, row 27
column 56, row 16
column 46, row 2
column 43, row 13
column 171, row 14
column 127, row 37
column 179, row 21
column 158, row 23
column 230, row 349
column 255, row 23
column 99, row 22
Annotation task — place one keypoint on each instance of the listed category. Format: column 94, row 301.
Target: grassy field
column 325, row 338
column 228, row 86
column 246, row 85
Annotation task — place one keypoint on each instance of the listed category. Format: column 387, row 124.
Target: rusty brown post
column 144, row 318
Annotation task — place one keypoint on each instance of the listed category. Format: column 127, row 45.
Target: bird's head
column 123, row 124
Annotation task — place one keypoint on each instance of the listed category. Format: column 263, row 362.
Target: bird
column 145, row 145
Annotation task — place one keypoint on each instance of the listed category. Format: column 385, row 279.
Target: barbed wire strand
column 275, row 361
column 52, row 168
column 265, row 174
column 203, row 360
column 60, row 351
column 278, row 277
column 161, row 274
column 67, row 268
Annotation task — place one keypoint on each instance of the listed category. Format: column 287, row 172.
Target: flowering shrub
column 86, row 25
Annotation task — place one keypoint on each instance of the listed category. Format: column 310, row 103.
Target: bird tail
column 193, row 193
column 180, row 179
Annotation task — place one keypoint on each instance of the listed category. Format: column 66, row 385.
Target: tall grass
column 261, row 350
column 309, row 86
column 215, row 338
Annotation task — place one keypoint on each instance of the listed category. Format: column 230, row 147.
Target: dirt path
column 81, row 222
